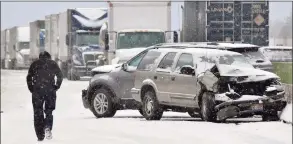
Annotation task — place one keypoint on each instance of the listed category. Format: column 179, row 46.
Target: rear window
column 252, row 54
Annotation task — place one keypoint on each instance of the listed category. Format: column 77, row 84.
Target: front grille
column 91, row 57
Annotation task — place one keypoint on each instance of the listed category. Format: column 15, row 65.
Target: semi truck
column 37, row 39
column 4, row 47
column 211, row 21
column 132, row 26
column 78, row 40
column 18, row 52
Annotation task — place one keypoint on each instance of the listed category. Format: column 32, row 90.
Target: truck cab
column 85, row 52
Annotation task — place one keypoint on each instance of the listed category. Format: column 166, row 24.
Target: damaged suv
column 216, row 84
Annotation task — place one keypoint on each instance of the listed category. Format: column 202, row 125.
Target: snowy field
column 75, row 125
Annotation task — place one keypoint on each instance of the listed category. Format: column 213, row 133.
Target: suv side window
column 134, row 62
column 167, row 61
column 184, row 59
column 148, row 61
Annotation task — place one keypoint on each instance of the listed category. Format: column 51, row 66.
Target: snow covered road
column 75, row 125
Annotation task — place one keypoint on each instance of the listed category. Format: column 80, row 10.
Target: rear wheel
column 208, row 112
column 151, row 108
column 102, row 104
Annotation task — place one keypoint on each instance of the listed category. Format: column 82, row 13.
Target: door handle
column 173, row 78
column 155, row 77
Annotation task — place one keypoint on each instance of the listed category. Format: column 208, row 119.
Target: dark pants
column 39, row 98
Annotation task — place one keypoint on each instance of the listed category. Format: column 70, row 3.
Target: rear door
column 183, row 87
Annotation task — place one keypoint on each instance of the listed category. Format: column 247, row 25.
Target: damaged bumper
column 248, row 105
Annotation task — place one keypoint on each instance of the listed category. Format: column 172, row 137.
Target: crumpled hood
column 105, row 68
column 252, row 73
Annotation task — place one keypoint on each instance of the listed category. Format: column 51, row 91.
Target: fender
column 106, row 81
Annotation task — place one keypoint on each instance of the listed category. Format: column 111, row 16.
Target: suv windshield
column 87, row 39
column 128, row 40
column 235, row 60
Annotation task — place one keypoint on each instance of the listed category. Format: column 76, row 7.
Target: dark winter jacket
column 42, row 74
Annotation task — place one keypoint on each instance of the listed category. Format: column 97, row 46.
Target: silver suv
column 216, row 84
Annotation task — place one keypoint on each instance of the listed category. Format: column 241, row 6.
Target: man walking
column 42, row 85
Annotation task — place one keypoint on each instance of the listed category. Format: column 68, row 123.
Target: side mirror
column 175, row 37
column 124, row 66
column 127, row 68
column 67, row 40
column 187, row 70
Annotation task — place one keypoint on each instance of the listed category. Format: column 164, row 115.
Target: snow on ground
column 75, row 125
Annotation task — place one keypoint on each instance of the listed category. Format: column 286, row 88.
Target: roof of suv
column 196, row 50
column 216, row 45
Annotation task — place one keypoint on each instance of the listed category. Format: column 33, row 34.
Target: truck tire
column 150, row 107
column 102, row 104
column 207, row 110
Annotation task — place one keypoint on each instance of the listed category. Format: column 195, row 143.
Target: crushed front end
column 244, row 96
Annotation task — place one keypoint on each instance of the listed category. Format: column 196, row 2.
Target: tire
column 207, row 110
column 271, row 117
column 104, row 95
column 150, row 107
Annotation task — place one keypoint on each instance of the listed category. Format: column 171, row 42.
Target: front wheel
column 102, row 104
column 151, row 107
column 208, row 103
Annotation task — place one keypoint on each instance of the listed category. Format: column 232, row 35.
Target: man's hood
column 252, row 73
column 105, row 68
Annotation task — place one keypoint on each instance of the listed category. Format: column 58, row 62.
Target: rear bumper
column 249, row 107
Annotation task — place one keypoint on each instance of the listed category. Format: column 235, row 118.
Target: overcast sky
column 21, row 13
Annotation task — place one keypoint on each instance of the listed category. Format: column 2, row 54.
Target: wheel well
column 144, row 89
column 98, row 86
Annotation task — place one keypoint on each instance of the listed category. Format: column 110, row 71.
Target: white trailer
column 18, row 47
column 52, row 35
column 135, row 25
column 37, row 44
